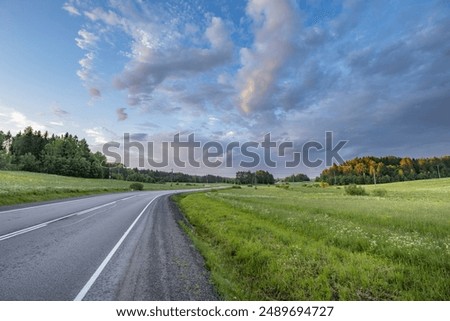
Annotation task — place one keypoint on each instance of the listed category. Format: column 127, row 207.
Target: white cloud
column 110, row 18
column 17, row 121
column 87, row 39
column 71, row 9
column 217, row 34
column 155, row 59
column 97, row 134
column 85, row 73
column 275, row 24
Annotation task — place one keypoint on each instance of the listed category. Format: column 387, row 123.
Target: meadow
column 306, row 242
column 24, row 187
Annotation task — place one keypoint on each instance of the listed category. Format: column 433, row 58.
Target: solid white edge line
column 102, row 266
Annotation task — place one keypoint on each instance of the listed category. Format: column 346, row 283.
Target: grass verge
column 306, row 243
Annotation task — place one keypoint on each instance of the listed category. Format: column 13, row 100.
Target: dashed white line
column 44, row 224
column 32, row 228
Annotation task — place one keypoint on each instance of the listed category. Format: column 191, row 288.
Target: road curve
column 125, row 246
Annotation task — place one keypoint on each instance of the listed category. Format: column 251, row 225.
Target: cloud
column 279, row 68
column 87, row 40
column 86, row 66
column 71, row 9
column 88, row 43
column 121, row 114
column 141, row 137
column 16, row 121
column 58, row 111
column 97, row 134
column 110, row 17
column 95, row 92
column 149, row 125
column 151, row 65
column 275, row 24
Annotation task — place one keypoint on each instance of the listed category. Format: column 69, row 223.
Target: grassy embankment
column 24, row 187
column 312, row 243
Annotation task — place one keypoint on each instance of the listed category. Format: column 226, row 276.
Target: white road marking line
column 94, row 208
column 102, row 266
column 29, row 229
column 41, row 225
column 32, row 228
column 127, row 198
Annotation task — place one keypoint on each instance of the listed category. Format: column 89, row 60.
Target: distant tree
column 297, row 178
column 244, row 177
column 264, row 177
column 29, row 141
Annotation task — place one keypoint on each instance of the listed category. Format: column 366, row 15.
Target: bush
column 381, row 192
column 324, row 184
column 355, row 190
column 236, row 186
column 137, row 186
column 285, row 186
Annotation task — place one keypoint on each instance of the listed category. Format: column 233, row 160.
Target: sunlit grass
column 312, row 243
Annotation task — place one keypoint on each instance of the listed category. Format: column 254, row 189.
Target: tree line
column 67, row 155
column 35, row 151
column 296, row 178
column 258, row 177
column 373, row 170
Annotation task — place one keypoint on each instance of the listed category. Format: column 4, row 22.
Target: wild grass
column 306, row 243
column 23, row 187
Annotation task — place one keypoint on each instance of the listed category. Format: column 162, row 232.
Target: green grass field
column 24, row 187
column 312, row 243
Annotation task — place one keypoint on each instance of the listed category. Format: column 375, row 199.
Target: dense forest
column 373, row 170
column 68, row 155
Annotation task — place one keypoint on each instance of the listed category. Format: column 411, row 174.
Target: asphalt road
column 125, row 246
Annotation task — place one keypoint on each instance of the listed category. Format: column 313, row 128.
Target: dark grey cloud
column 58, row 111
column 121, row 114
column 95, row 92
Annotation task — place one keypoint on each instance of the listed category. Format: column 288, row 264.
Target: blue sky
column 375, row 73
